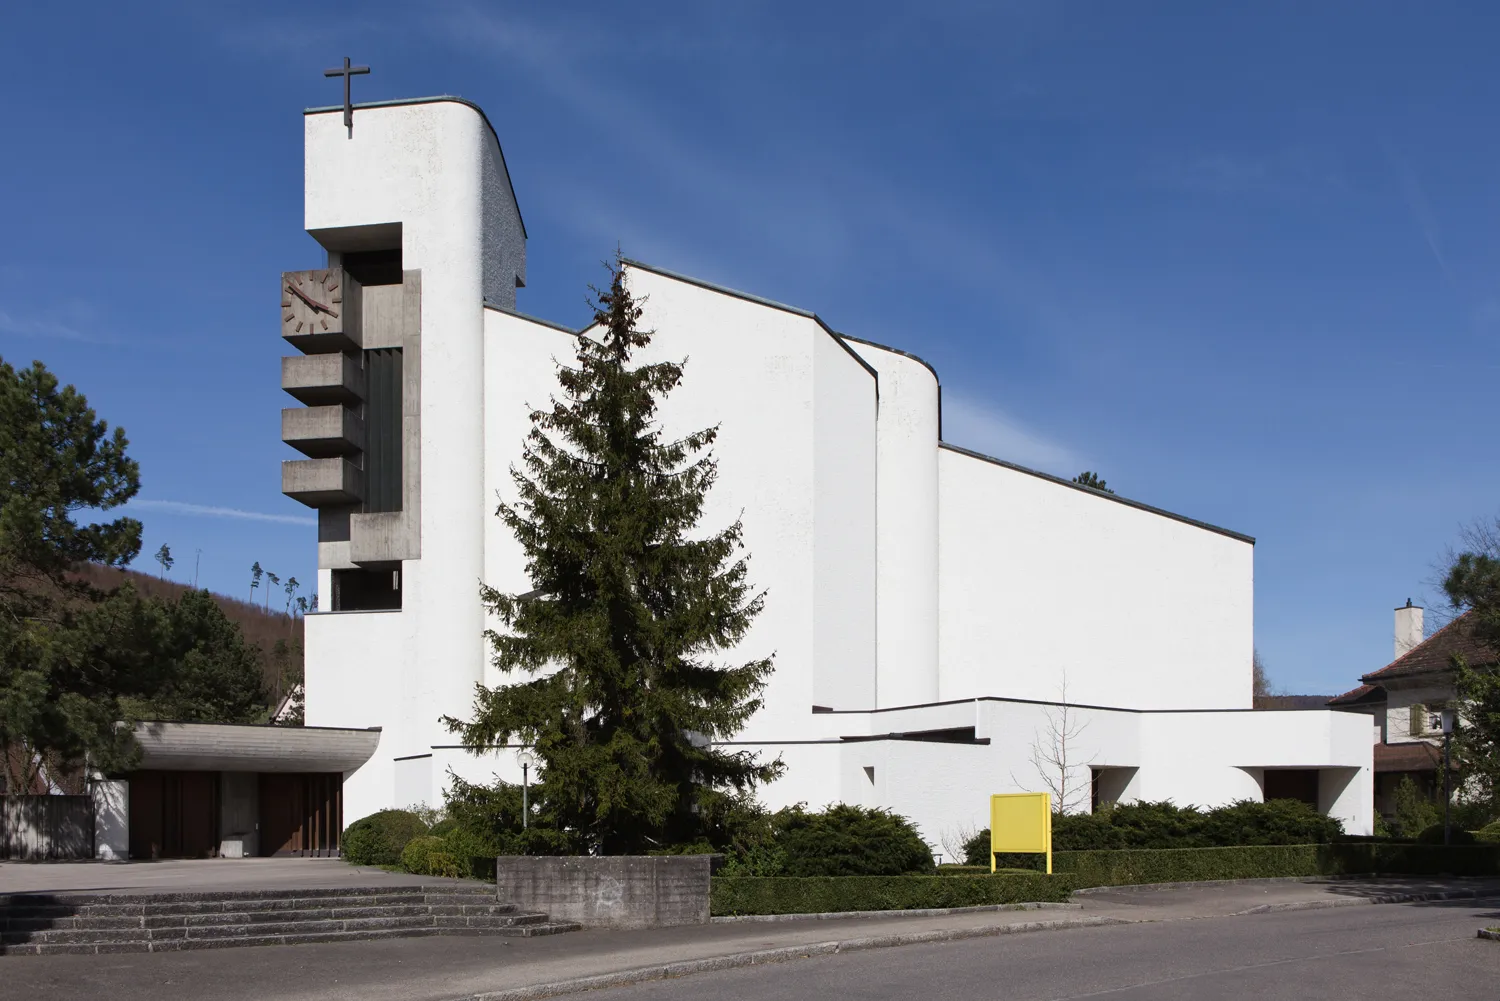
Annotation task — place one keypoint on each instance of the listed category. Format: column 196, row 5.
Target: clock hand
column 311, row 302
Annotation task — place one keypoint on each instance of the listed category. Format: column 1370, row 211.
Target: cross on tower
column 347, row 72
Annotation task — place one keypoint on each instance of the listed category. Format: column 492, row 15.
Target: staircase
column 45, row 924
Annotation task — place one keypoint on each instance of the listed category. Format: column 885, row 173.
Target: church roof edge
column 438, row 99
column 1103, row 495
column 762, row 301
column 561, row 327
column 895, row 351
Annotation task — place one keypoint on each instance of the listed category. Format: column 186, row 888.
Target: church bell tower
column 412, row 204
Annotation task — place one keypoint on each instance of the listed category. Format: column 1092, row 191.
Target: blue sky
column 1239, row 259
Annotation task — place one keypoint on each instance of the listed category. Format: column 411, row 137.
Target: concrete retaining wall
column 622, row 891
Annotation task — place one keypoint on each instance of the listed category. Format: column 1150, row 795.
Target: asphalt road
column 1394, row 951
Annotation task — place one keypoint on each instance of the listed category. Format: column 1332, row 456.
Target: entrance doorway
column 301, row 814
column 174, row 814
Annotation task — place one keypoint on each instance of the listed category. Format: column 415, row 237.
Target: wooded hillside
column 260, row 628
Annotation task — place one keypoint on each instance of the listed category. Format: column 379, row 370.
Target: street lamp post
column 526, row 760
column 1448, row 719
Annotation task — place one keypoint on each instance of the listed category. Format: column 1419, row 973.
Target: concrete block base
column 622, row 891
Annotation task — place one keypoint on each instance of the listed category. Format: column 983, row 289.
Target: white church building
column 926, row 604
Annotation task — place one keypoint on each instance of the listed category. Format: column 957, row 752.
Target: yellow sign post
column 1021, row 822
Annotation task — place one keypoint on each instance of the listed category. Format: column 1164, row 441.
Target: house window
column 1426, row 718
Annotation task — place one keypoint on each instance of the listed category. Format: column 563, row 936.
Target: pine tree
column 626, row 612
column 1088, row 478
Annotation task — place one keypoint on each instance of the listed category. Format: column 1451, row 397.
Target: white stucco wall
column 111, row 819
column 844, row 497
column 1038, row 580
column 907, row 528
column 1205, row 759
column 358, row 675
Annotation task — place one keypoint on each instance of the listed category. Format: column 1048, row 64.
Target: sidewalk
column 177, row 875
column 441, row 969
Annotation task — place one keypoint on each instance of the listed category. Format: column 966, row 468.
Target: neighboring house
column 1406, row 697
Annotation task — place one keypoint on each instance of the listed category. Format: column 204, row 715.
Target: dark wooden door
column 174, row 814
column 301, row 814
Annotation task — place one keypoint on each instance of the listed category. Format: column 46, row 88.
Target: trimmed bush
column 1275, row 822
column 1434, row 836
column 1346, row 858
column 846, row 840
column 1397, row 859
column 1168, row 826
column 441, row 863
column 823, row 894
column 417, row 851
column 1180, row 865
column 380, row 838
column 1489, row 833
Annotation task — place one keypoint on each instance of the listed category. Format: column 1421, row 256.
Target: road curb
column 926, row 912
column 1189, row 884
column 1384, row 898
column 738, row 960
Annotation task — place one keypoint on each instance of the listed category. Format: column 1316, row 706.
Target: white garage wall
column 1039, row 580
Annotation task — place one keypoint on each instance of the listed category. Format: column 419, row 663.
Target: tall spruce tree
column 628, row 608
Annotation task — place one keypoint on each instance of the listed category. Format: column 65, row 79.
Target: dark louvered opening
column 383, row 430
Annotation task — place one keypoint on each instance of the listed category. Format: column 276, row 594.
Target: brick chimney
column 1408, row 627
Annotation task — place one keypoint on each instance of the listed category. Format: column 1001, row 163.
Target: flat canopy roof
column 230, row 747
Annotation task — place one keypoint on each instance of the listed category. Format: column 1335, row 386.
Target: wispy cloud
column 1417, row 204
column 972, row 423
column 210, row 511
column 1221, row 172
column 23, row 326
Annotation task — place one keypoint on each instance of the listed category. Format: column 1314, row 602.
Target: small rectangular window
column 366, row 590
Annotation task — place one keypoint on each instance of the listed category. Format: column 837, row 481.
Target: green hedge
column 1395, row 859
column 1180, row 865
column 1183, row 865
column 824, row 894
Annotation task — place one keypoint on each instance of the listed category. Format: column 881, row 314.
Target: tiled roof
column 1436, row 652
column 1359, row 696
column 1290, row 701
column 1412, row 757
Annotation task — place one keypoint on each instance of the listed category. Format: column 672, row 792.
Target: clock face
column 312, row 302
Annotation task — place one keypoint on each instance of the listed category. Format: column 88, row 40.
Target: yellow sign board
column 1021, row 822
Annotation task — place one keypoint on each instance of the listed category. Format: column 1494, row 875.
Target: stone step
column 488, row 920
column 97, row 923
column 464, row 909
column 228, row 906
column 262, row 917
column 459, row 891
column 460, row 898
column 99, row 935
column 260, row 938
